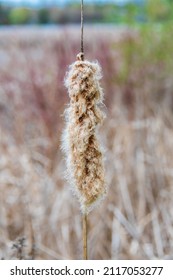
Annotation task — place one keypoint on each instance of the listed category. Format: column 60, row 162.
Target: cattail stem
column 84, row 159
column 82, row 12
column 85, row 249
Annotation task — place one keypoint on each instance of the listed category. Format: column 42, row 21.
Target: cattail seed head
column 83, row 153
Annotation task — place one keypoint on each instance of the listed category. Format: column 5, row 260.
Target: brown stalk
column 82, row 16
column 84, row 222
column 85, row 231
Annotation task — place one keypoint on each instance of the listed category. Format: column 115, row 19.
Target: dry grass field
column 39, row 216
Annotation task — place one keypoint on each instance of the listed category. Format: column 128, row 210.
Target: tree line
column 151, row 10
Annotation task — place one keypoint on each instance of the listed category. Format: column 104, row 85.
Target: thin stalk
column 85, row 249
column 82, row 28
column 84, row 222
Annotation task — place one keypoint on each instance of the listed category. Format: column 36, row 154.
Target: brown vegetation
column 84, row 159
column 135, row 220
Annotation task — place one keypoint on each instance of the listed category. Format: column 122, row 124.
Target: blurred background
column 97, row 11
column 133, row 41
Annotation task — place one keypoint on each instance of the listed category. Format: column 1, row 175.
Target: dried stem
column 82, row 11
column 85, row 251
column 85, row 168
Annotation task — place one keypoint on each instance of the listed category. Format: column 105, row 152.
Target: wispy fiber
column 83, row 153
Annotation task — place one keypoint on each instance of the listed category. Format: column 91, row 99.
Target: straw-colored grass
column 135, row 221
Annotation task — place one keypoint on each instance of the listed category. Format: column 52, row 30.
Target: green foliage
column 111, row 14
column 19, row 16
column 160, row 11
column 131, row 12
column 3, row 15
column 151, row 47
column 43, row 16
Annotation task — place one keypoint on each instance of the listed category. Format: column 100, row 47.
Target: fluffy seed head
column 83, row 154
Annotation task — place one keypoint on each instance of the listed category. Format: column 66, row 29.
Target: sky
column 61, row 2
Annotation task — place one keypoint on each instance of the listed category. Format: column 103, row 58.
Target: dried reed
column 83, row 153
column 139, row 220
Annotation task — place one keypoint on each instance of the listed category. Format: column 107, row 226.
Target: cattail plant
column 83, row 154
column 84, row 159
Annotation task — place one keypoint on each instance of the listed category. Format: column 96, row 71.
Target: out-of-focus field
column 135, row 221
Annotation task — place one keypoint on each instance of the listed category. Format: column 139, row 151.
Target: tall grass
column 35, row 201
